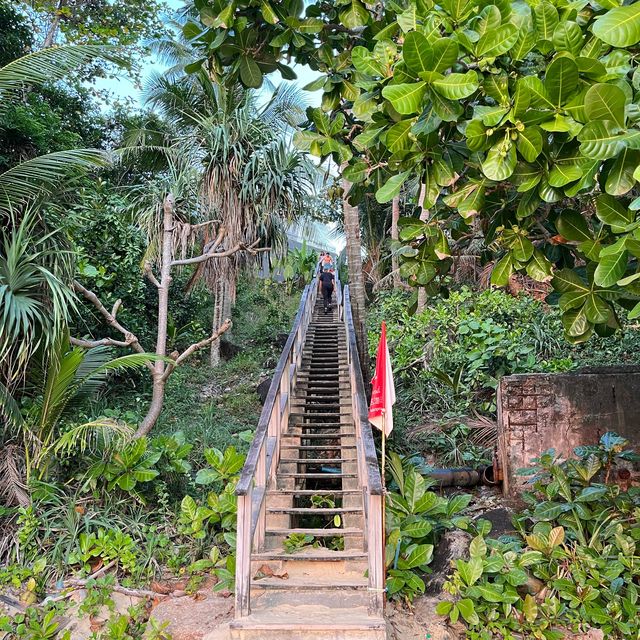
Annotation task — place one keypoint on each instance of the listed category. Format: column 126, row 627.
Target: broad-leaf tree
column 520, row 120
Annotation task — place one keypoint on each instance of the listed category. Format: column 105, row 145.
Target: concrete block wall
column 537, row 412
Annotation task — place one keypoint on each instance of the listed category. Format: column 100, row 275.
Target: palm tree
column 36, row 300
column 32, row 438
column 251, row 180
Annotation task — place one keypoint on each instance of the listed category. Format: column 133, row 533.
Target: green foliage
column 573, row 564
column 515, row 114
column 98, row 595
column 297, row 541
column 415, row 519
column 15, row 34
column 131, row 465
column 34, row 624
column 299, row 265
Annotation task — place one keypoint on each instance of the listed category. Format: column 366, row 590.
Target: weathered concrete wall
column 537, row 412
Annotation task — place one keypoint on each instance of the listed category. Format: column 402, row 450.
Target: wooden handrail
column 251, row 463
column 373, row 480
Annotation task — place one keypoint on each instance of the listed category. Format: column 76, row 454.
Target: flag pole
column 384, row 515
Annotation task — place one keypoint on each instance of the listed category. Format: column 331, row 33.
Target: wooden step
column 310, row 555
column 316, row 533
column 340, row 405
column 316, row 460
column 324, row 475
column 311, row 511
column 307, row 585
column 323, row 436
column 318, row 447
column 313, row 492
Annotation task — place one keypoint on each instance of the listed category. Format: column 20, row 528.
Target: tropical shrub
column 416, row 517
column 448, row 359
column 574, row 563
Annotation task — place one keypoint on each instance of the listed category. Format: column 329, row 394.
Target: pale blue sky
column 125, row 88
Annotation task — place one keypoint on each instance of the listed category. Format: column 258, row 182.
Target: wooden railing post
column 243, row 556
column 376, row 555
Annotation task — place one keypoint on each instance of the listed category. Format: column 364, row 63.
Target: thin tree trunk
column 395, row 215
column 159, row 382
column 218, row 312
column 424, row 216
column 49, row 39
column 356, row 278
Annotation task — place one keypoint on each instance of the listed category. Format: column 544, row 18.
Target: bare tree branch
column 130, row 339
column 189, row 351
column 148, row 272
column 251, row 248
column 103, row 342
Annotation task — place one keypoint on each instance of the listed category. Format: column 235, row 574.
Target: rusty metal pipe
column 463, row 477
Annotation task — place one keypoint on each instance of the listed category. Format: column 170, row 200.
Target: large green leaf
column 601, row 139
column 356, row 15
column 391, row 188
column 456, row 86
column 539, row 268
column 421, row 555
column 522, row 248
column 406, row 98
column 525, row 41
column 502, row 271
column 499, row 164
column 596, row 309
column 620, row 178
column 605, row 102
column 529, row 143
column 611, row 268
column 397, row 137
column 417, row 52
column 545, row 17
column 575, row 324
column 568, row 36
column 445, row 54
column 619, row 27
column 572, row 226
column 447, row 110
column 562, row 174
column 561, row 80
column 365, row 62
column 612, row 212
column 496, row 43
column 250, row 73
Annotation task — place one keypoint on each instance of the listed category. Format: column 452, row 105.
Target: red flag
column 383, row 396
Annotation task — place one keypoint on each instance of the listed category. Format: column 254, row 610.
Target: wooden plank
column 318, row 533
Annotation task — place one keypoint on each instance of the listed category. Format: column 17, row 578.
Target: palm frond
column 94, row 436
column 46, row 174
column 49, row 65
column 13, row 490
column 10, row 414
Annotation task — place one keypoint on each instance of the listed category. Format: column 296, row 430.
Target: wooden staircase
column 312, row 474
